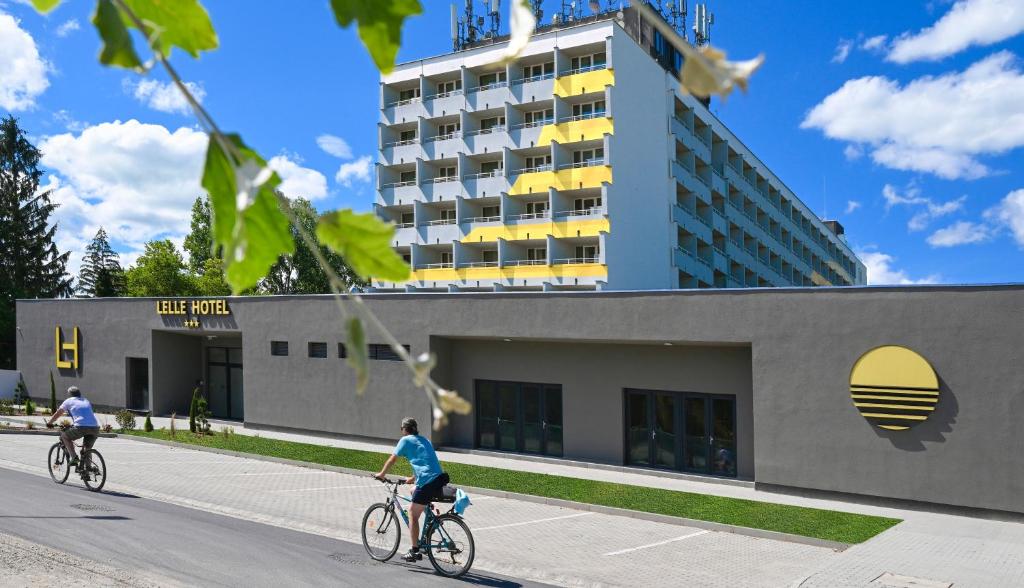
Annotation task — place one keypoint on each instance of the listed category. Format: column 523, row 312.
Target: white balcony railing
column 588, row 163
column 480, row 264
column 446, row 94
column 404, row 225
column 582, row 211
column 443, row 179
column 442, row 265
column 441, row 221
column 547, row 76
column 580, row 70
column 406, row 101
column 487, row 131
column 399, row 184
column 534, row 169
column 519, row 262
column 530, row 215
column 400, row 143
column 577, row 260
column 491, row 86
column 454, row 135
column 488, row 174
column 483, row 219
column 535, row 123
column 598, row 114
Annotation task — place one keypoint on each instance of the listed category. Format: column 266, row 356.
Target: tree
column 211, row 281
column 30, row 264
column 160, row 271
column 300, row 272
column 101, row 274
column 199, row 242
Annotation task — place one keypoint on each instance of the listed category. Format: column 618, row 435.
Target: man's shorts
column 89, row 433
column 430, row 491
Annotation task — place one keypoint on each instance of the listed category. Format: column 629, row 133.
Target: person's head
column 74, row 391
column 409, row 426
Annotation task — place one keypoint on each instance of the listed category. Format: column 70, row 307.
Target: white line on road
column 580, row 514
column 667, row 541
column 322, row 488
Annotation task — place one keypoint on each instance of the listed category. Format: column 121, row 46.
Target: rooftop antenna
column 675, row 15
column 702, row 25
column 455, row 29
column 470, row 28
column 538, row 12
column 571, row 10
column 494, row 15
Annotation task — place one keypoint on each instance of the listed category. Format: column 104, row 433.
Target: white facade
column 582, row 166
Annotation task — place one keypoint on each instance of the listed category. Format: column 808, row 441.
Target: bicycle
column 445, row 536
column 91, row 467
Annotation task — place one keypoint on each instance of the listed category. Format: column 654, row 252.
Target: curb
column 609, row 510
column 45, row 433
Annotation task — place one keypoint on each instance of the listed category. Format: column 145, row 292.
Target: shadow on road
column 90, row 517
column 470, row 578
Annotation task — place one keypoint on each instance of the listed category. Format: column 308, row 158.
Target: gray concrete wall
column 803, row 343
column 594, row 378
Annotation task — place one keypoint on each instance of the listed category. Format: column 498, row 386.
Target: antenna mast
column 702, row 25
column 494, row 15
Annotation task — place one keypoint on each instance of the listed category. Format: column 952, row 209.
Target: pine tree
column 30, row 264
column 101, row 274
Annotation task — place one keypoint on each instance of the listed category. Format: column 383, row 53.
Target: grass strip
column 797, row 520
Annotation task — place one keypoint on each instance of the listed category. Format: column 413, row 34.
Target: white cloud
column 874, row 43
column 64, row 117
column 137, row 181
column 842, row 50
column 853, row 152
column 22, row 70
column 968, row 23
column 335, row 146
column 852, row 205
column 1009, row 213
column 937, row 125
column 354, row 171
column 68, row 27
column 960, row 233
column 164, row 97
column 912, row 198
column 298, row 181
column 881, row 271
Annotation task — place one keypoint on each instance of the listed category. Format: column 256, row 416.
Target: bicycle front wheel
column 381, row 532
column 451, row 547
column 57, row 463
column 94, row 470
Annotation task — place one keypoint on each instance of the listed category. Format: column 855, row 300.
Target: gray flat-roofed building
column 912, row 393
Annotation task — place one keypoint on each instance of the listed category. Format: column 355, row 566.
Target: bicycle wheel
column 57, row 463
column 381, row 532
column 95, row 473
column 451, row 548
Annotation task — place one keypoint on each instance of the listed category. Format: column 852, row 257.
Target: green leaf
column 175, row 23
column 380, row 25
column 252, row 229
column 365, row 242
column 356, row 355
column 117, row 42
column 45, row 6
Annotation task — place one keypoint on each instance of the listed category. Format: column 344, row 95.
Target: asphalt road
column 193, row 547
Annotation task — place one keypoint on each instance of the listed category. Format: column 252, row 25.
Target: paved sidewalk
column 950, row 548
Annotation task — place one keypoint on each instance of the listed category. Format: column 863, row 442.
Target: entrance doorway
column 517, row 416
column 681, row 431
column 224, row 382
column 137, row 383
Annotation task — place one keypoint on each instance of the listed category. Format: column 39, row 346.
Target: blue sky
column 905, row 119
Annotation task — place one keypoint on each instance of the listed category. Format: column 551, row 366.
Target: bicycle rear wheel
column 57, row 463
column 94, row 472
column 451, row 546
column 381, row 532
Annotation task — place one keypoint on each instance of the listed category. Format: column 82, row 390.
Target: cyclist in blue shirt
column 427, row 475
column 84, row 423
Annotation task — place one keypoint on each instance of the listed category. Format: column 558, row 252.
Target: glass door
column 486, row 415
column 514, row 416
column 638, row 425
column 723, row 436
column 665, row 436
column 553, row 420
column 224, row 378
column 533, row 420
column 508, row 407
column 695, row 450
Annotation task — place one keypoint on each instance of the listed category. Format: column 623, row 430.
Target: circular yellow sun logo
column 894, row 387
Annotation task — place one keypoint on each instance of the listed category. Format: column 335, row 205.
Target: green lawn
column 809, row 522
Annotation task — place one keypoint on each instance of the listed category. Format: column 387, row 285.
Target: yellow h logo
column 60, row 348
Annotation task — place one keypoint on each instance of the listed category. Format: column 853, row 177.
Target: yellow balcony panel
column 576, row 130
column 819, row 280
column 576, row 270
column 581, row 83
column 557, row 229
column 563, row 179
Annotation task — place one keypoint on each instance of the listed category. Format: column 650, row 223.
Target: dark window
column 384, row 352
column 516, row 416
column 278, row 348
column 317, row 349
column 342, row 352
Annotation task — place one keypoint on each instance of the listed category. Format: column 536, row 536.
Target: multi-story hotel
column 584, row 166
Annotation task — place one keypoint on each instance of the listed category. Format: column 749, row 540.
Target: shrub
column 64, row 424
column 148, row 425
column 202, row 417
column 20, row 391
column 6, row 407
column 53, row 394
column 192, row 408
column 108, row 428
column 227, row 432
column 30, row 407
column 30, row 425
column 174, row 426
column 125, row 420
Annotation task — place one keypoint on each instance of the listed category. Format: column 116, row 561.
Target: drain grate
column 352, row 561
column 92, row 507
column 890, row 580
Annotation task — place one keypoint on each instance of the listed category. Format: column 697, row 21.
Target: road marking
column 263, row 474
column 317, row 489
column 667, row 541
column 580, row 514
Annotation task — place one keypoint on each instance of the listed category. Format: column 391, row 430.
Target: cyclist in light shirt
column 84, row 423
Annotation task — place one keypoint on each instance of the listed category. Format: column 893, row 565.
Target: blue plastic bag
column 461, row 501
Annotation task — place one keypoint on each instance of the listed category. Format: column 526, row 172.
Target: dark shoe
column 73, row 463
column 412, row 555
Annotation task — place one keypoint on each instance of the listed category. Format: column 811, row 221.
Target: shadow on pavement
column 90, row 517
column 469, row 578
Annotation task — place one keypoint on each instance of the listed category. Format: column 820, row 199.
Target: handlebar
column 396, row 482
